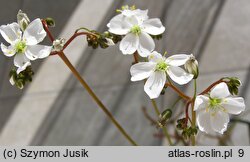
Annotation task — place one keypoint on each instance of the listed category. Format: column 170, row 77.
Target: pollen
column 161, row 66
column 20, row 47
column 136, row 29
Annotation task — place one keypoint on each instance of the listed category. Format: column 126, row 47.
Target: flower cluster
column 23, row 38
column 136, row 33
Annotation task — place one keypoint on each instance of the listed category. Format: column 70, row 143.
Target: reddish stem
column 74, row 36
column 136, row 57
column 46, row 28
column 211, row 86
column 181, row 94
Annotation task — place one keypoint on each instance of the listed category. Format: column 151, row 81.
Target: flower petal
column 153, row 26
column 177, row 60
column 34, row 33
column 179, row 75
column 129, row 44
column 220, row 91
column 201, row 102
column 155, row 57
column 146, row 44
column 155, row 84
column 118, row 25
column 11, row 32
column 8, row 51
column 37, row 51
column 234, row 105
column 141, row 15
column 141, row 70
column 219, row 121
column 21, row 61
column 203, row 121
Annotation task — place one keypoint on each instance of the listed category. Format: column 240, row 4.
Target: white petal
column 201, row 102
column 8, row 51
column 179, row 75
column 11, row 32
column 129, row 44
column 118, row 25
column 177, row 60
column 155, row 84
column 155, row 57
column 220, row 91
column 234, row 105
column 219, row 121
column 153, row 26
column 34, row 33
column 37, row 51
column 141, row 70
column 21, row 61
column 141, row 15
column 203, row 121
column 146, row 44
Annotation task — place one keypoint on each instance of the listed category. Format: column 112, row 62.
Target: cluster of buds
column 104, row 40
column 19, row 80
column 58, row 44
column 233, row 84
column 126, row 7
column 164, row 117
column 187, row 131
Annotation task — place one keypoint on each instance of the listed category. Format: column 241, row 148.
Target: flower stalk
column 84, row 83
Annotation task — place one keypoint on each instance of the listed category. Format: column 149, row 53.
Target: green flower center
column 136, row 29
column 214, row 102
column 20, row 47
column 161, row 66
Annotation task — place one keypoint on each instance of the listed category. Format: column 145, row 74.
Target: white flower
column 137, row 28
column 156, row 70
column 24, row 45
column 213, row 111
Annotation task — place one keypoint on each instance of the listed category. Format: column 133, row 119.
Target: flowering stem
column 93, row 95
column 193, row 112
column 74, row 36
column 46, row 28
column 164, row 129
column 84, row 84
column 181, row 94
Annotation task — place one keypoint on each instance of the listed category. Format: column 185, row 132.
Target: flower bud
column 50, row 22
column 22, row 20
column 164, row 116
column 233, row 84
column 191, row 66
column 58, row 44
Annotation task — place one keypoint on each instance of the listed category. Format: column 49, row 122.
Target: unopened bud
column 50, row 22
column 58, row 44
column 22, row 20
column 233, row 84
column 164, row 116
column 109, row 42
column 191, row 66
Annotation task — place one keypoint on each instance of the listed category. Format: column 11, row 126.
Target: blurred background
column 55, row 110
